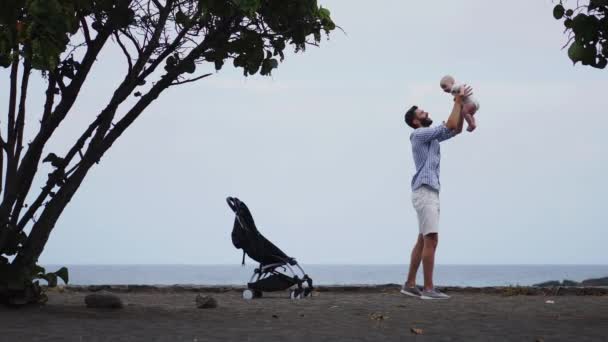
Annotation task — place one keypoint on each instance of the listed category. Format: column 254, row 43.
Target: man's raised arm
column 455, row 120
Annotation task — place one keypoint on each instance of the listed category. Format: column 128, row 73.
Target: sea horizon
column 476, row 275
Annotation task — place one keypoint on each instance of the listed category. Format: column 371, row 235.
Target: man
column 425, row 190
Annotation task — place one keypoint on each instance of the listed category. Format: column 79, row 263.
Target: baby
column 470, row 105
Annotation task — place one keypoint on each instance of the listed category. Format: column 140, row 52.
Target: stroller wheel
column 248, row 295
column 295, row 294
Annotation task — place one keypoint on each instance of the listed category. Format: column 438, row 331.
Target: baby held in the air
column 470, row 105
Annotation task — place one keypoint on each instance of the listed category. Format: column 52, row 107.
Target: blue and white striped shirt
column 427, row 154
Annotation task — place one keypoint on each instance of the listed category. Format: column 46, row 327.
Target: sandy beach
column 332, row 314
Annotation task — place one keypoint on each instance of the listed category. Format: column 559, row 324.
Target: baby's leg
column 470, row 119
column 469, row 107
column 468, row 110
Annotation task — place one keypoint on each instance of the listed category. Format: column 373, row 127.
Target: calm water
column 453, row 275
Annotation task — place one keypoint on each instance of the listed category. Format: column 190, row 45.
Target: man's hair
column 410, row 115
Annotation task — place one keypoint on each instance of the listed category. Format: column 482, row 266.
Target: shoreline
column 354, row 288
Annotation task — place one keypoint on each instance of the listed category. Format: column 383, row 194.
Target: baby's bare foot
column 471, row 128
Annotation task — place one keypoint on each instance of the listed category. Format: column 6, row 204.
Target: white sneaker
column 433, row 294
column 411, row 291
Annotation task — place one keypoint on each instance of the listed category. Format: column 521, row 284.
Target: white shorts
column 426, row 202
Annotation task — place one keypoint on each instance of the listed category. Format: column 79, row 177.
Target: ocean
column 445, row 275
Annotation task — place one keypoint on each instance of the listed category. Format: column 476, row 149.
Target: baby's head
column 446, row 83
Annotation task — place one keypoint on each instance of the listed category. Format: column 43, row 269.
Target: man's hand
column 465, row 91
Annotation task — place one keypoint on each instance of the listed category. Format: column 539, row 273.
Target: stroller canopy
column 247, row 237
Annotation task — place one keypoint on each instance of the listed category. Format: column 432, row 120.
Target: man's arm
column 455, row 121
column 460, row 124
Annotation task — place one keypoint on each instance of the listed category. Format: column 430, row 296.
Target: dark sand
column 341, row 314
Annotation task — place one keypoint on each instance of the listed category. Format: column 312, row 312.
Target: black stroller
column 267, row 277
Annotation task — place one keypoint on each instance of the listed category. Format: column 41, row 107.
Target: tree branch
column 132, row 39
column 11, row 139
column 124, row 50
column 85, row 30
column 160, row 7
column 41, row 230
column 190, row 80
column 28, row 167
column 130, row 81
column 1, row 164
column 27, row 68
column 55, row 179
column 50, row 97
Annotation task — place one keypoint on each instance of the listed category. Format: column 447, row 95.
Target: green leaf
column 63, row 274
column 5, row 61
column 248, row 6
column 324, row 13
column 171, row 61
column 558, row 12
column 569, row 12
column 123, row 18
column 585, row 27
column 576, row 52
column 596, row 4
column 274, row 63
column 38, row 270
column 190, row 67
column 589, row 55
column 181, row 18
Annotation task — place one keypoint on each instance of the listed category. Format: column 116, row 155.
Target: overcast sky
column 321, row 155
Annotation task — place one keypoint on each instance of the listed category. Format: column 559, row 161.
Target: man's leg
column 415, row 260
column 428, row 259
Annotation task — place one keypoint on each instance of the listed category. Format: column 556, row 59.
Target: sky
column 321, row 155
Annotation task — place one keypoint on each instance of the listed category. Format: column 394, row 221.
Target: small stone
column 205, row 302
column 416, row 331
column 103, row 300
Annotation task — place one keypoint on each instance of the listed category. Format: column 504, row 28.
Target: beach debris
column 416, row 331
column 550, row 302
column 205, row 302
column 275, row 316
column 540, row 339
column 333, row 306
column 378, row 316
column 103, row 300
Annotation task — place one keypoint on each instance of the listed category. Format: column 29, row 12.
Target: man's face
column 423, row 118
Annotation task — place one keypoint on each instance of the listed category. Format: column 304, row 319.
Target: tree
column 163, row 42
column 587, row 28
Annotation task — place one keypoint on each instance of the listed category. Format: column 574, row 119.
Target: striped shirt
column 427, row 155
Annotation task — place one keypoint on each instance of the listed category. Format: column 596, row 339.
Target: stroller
column 267, row 277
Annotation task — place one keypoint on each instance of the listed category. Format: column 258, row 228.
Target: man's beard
column 426, row 122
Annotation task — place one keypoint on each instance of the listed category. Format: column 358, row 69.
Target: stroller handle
column 232, row 203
